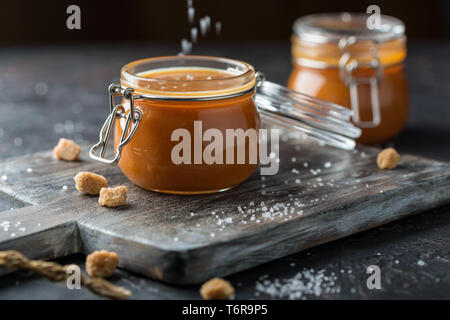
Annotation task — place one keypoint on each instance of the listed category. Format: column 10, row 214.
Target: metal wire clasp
column 116, row 112
column 347, row 66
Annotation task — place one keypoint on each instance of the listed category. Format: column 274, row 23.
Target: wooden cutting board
column 319, row 195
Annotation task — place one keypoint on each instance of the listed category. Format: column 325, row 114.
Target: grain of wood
column 325, row 194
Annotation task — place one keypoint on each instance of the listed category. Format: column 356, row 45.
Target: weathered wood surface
column 188, row 239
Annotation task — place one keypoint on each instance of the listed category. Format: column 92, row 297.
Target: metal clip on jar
column 336, row 57
column 161, row 95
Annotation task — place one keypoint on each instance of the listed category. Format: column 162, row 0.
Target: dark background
column 44, row 22
column 76, row 67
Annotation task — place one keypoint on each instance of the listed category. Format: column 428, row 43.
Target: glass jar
column 337, row 58
column 161, row 96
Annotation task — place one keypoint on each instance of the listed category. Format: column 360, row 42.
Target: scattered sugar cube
column 101, row 264
column 216, row 289
column 89, row 183
column 388, row 159
column 66, row 150
column 113, row 197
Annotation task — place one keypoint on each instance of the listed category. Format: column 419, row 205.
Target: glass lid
column 332, row 27
column 318, row 119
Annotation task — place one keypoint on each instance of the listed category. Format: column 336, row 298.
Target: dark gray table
column 49, row 92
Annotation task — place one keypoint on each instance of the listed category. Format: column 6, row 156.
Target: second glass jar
column 336, row 57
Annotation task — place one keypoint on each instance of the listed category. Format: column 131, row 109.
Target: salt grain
column 18, row 141
column 307, row 282
column 191, row 15
column 218, row 26
column 41, row 88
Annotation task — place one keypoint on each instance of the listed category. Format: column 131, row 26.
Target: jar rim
column 241, row 75
column 332, row 27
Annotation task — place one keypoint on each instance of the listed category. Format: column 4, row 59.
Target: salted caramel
column 218, row 99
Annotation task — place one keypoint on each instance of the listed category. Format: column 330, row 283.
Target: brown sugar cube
column 101, row 264
column 89, row 183
column 113, row 197
column 66, row 150
column 388, row 159
column 216, row 289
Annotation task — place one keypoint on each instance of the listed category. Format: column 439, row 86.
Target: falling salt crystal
column 305, row 164
column 186, row 46
column 191, row 15
column 396, row 262
column 64, row 187
column 176, row 239
column 4, row 177
column 421, row 263
column 208, row 21
column 327, row 165
column 194, row 34
column 297, row 181
column 29, row 170
column 18, row 141
column 192, row 214
column 212, row 235
column 205, row 25
column 292, row 264
column 13, row 235
column 218, row 28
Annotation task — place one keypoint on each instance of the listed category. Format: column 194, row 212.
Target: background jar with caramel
column 337, row 57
